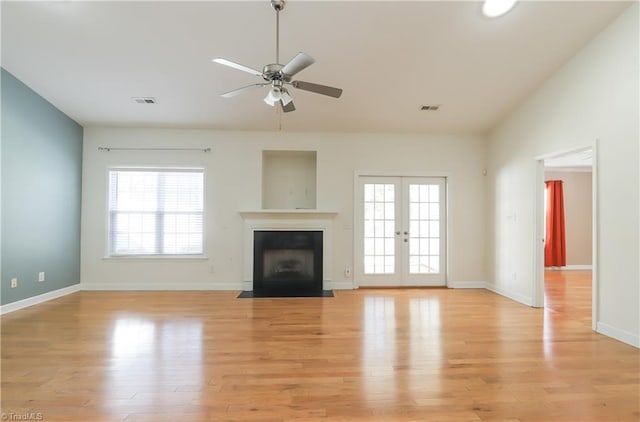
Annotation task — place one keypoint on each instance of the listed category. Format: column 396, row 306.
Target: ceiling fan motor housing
column 273, row 72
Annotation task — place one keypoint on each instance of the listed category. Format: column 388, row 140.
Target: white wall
column 233, row 184
column 594, row 96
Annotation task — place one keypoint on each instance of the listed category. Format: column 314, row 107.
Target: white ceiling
column 90, row 58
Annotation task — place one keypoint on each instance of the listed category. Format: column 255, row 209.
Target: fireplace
column 287, row 263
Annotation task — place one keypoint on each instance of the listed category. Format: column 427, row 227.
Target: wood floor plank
column 366, row 355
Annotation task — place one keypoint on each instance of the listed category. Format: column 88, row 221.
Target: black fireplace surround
column 287, row 263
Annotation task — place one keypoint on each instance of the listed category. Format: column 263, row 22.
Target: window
column 156, row 212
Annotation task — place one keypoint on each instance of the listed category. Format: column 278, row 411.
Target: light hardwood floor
column 367, row 355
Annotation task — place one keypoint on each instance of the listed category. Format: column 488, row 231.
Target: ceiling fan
column 278, row 76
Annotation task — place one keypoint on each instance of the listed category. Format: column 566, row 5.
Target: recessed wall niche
column 289, row 179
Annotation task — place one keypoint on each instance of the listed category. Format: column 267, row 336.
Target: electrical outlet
column 14, row 283
column 347, row 272
column 41, row 276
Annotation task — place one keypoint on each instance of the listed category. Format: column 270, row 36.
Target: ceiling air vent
column 432, row 107
column 144, row 100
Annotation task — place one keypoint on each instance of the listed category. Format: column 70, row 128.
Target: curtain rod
column 108, row 149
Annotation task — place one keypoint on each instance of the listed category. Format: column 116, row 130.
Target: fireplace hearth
column 287, row 263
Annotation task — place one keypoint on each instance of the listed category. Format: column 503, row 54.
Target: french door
column 400, row 231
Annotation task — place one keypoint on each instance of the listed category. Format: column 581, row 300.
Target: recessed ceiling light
column 144, row 100
column 495, row 8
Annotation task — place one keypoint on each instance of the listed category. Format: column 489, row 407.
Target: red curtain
column 555, row 254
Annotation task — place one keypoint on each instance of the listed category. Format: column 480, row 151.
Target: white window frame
column 107, row 245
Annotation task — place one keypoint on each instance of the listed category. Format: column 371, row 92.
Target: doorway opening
column 566, row 254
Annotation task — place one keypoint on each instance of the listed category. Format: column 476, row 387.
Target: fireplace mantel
column 287, row 219
column 287, row 214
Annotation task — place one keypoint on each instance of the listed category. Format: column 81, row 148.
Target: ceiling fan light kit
column 278, row 75
column 276, row 94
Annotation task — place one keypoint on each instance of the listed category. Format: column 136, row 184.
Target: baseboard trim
column 571, row 268
column 525, row 300
column 343, row 285
column 467, row 284
column 123, row 286
column 618, row 334
column 45, row 297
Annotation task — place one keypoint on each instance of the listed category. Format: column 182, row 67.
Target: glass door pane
column 379, row 228
column 424, row 229
column 424, row 253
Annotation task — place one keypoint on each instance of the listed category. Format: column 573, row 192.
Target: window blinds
column 156, row 212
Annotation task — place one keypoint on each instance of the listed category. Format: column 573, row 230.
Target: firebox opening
column 287, row 263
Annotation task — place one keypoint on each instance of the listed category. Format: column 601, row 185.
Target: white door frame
column 448, row 215
column 538, row 279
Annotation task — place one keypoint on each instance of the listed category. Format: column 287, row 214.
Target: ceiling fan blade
column 318, row 89
column 299, row 62
column 287, row 108
column 238, row 66
column 241, row 90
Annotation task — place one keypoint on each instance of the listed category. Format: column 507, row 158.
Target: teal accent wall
column 41, row 167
